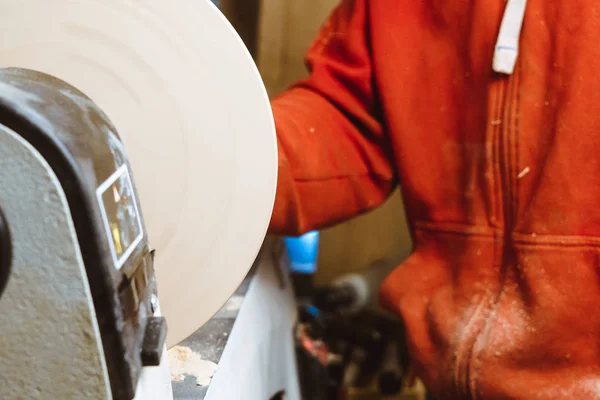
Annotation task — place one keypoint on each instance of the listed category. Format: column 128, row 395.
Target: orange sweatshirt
column 500, row 175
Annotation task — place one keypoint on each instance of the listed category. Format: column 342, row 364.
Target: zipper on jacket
column 466, row 355
column 508, row 162
column 505, row 162
column 504, row 141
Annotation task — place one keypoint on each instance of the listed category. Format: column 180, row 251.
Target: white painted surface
column 155, row 382
column 259, row 358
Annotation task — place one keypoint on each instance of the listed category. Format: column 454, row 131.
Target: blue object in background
column 302, row 252
column 216, row 2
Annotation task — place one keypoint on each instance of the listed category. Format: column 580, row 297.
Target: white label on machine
column 118, row 204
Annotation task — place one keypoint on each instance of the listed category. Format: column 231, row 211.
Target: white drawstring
column 507, row 45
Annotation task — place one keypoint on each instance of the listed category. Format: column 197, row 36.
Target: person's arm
column 334, row 156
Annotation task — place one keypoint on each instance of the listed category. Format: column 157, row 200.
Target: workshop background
column 278, row 34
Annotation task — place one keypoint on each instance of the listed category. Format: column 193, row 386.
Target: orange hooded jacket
column 500, row 175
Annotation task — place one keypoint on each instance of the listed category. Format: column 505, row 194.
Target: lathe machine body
column 79, row 309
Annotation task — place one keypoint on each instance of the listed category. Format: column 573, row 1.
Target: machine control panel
column 122, row 221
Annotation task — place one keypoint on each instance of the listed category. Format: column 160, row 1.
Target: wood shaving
column 523, row 173
column 185, row 362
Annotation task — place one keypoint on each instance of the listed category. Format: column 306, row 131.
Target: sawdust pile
column 184, row 362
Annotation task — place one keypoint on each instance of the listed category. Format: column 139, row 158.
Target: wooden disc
column 187, row 99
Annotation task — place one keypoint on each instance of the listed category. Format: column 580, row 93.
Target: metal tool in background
column 366, row 354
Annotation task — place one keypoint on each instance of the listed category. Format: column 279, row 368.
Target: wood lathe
column 138, row 166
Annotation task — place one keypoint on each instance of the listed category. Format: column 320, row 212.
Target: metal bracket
column 154, row 341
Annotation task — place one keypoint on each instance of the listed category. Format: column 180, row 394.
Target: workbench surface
column 249, row 341
column 209, row 341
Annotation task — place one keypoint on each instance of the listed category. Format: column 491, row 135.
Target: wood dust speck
column 523, row 173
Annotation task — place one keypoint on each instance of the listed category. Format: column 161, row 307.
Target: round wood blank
column 187, row 99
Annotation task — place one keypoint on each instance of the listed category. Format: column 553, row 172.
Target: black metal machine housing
column 5, row 253
column 85, row 152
